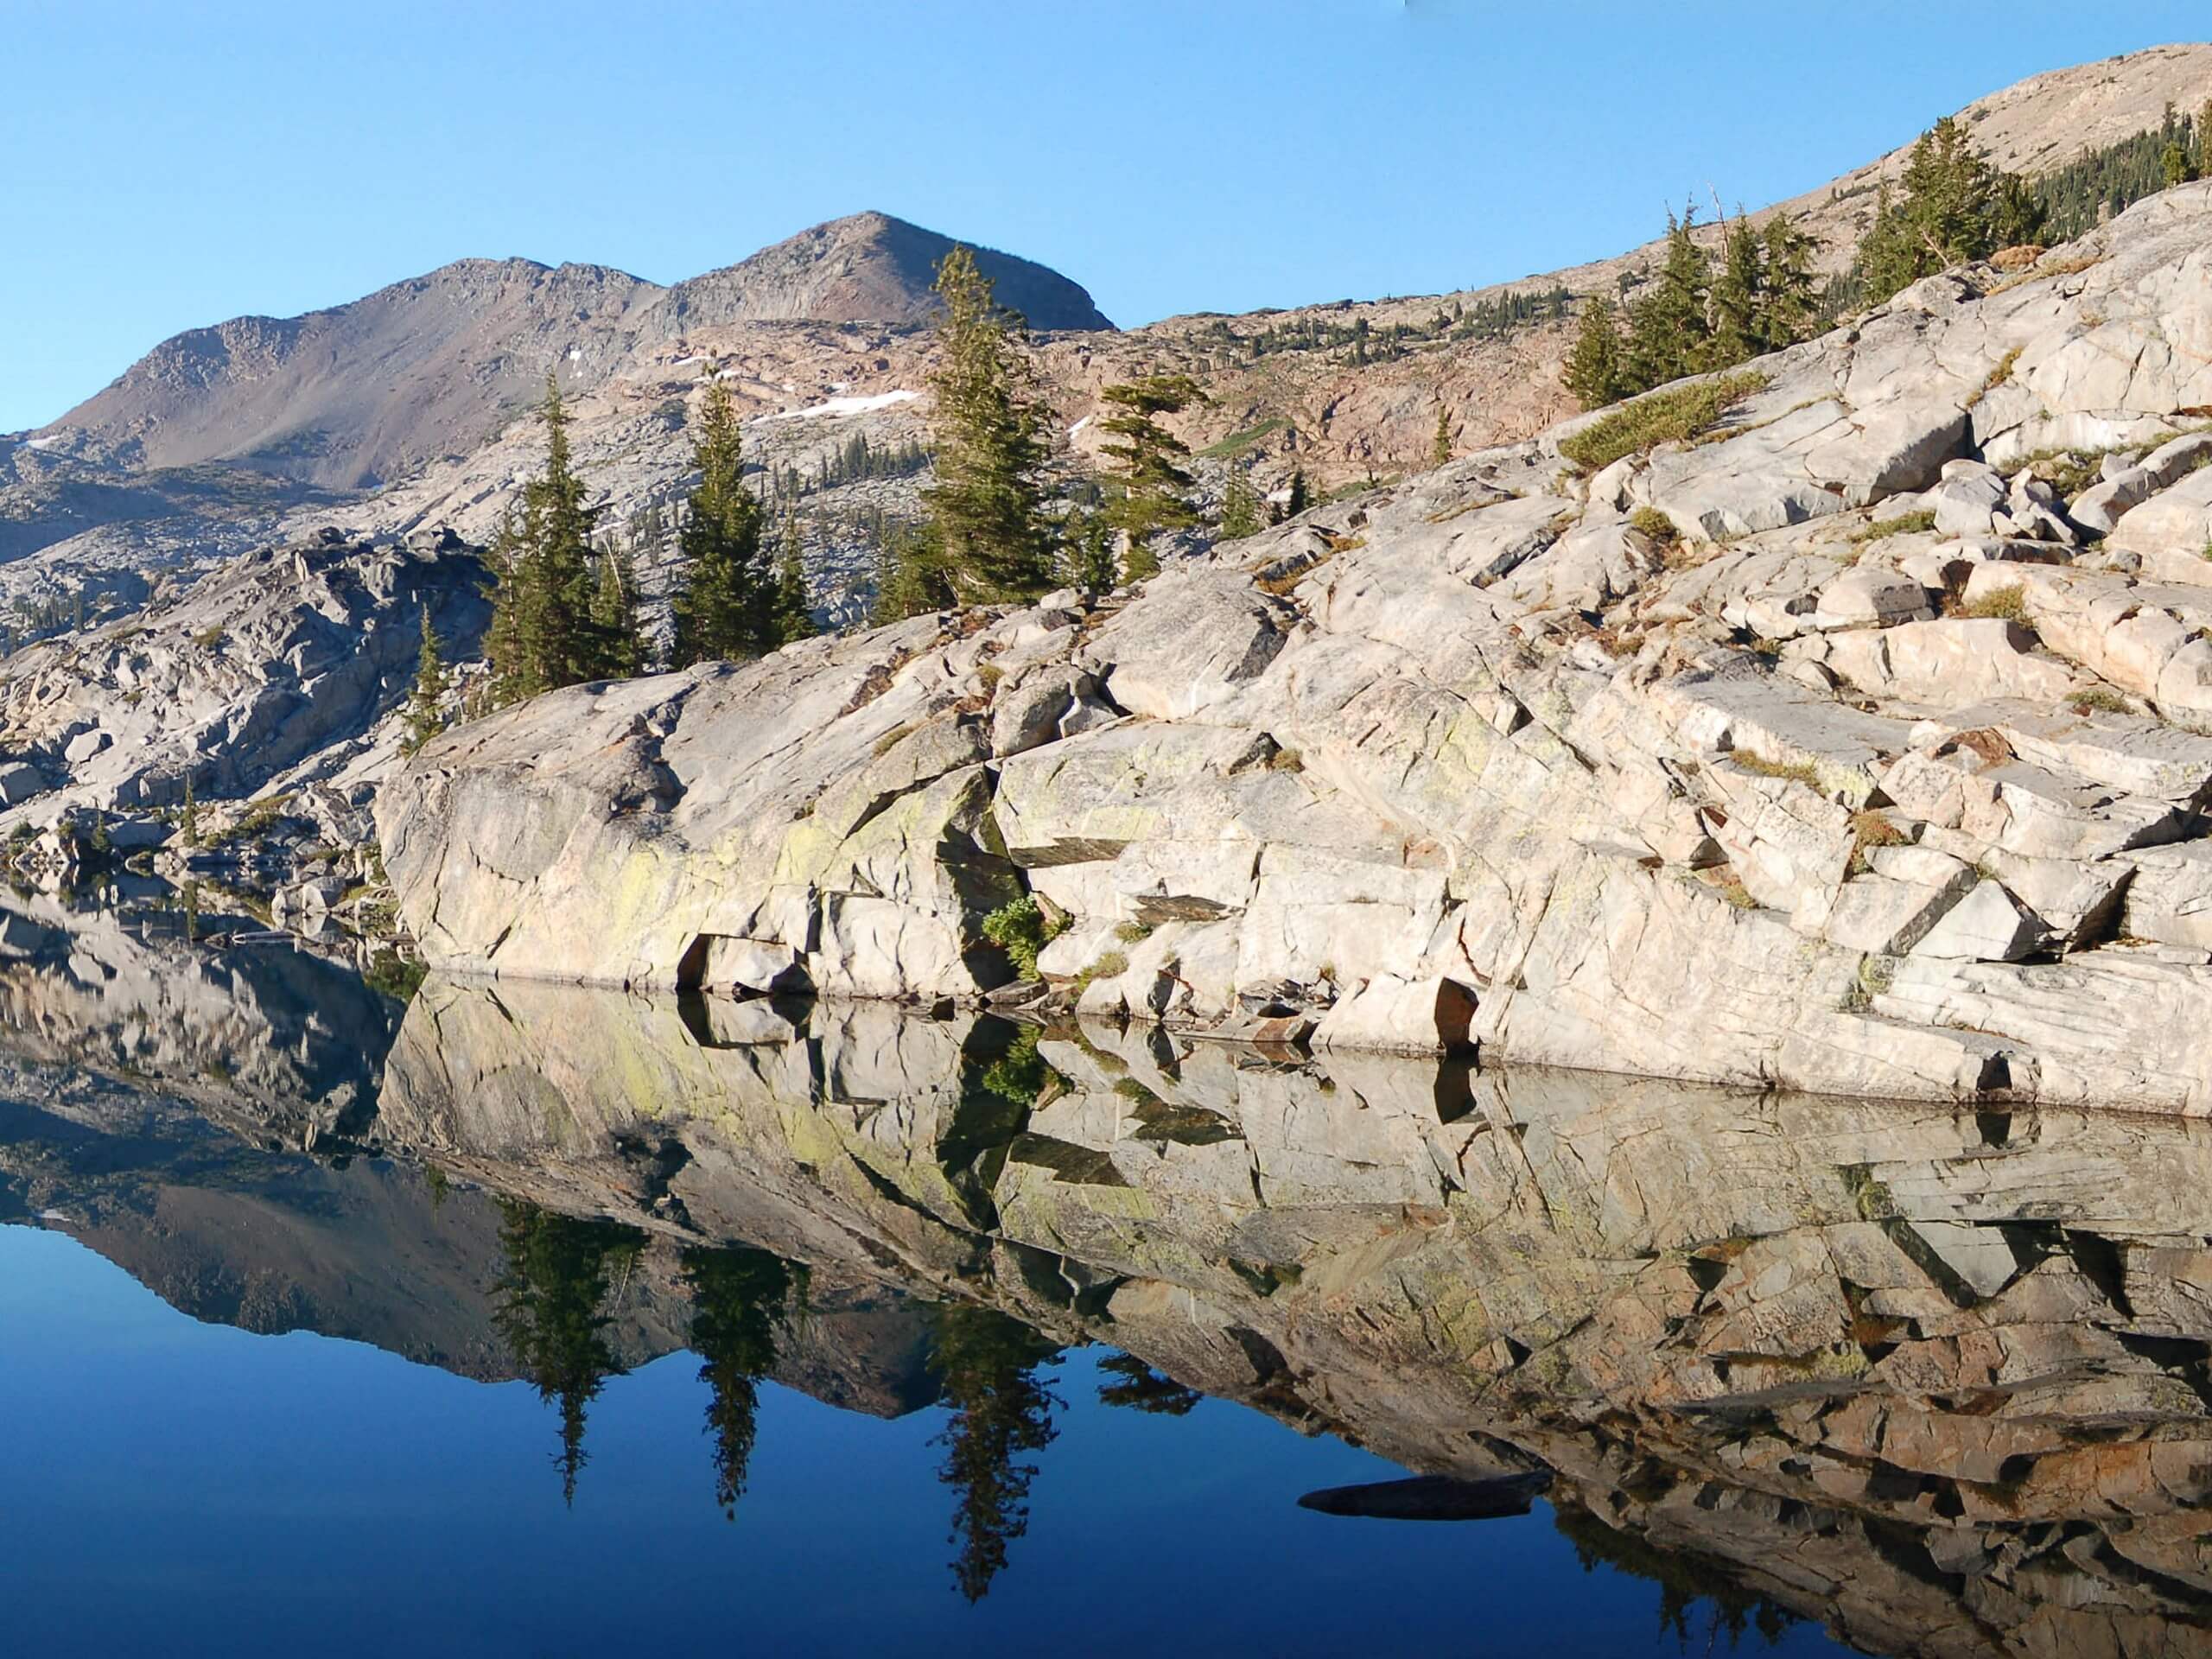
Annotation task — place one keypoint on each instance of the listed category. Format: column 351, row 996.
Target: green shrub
column 1650, row 521
column 1019, row 928
column 1677, row 413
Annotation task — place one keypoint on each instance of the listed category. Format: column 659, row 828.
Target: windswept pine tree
column 1439, row 448
column 724, row 603
column 425, row 707
column 988, row 428
column 545, row 633
column 1154, row 487
column 1300, row 497
column 1954, row 208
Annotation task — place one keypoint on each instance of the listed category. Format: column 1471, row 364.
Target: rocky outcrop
column 1715, row 764
column 281, row 672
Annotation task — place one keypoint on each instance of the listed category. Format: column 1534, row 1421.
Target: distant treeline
column 2079, row 195
column 854, row 461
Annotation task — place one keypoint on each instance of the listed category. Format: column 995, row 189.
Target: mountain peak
column 871, row 267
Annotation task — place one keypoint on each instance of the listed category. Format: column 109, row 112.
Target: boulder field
column 1855, row 737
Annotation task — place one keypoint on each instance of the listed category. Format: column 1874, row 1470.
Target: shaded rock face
column 294, row 654
column 1935, row 1378
column 1801, row 794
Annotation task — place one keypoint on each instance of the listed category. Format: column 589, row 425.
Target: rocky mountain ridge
column 361, row 394
column 103, row 508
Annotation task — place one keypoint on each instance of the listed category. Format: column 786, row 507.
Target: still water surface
column 177, row 1487
column 530, row 1321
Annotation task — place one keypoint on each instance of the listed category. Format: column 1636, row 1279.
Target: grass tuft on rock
column 1671, row 415
column 2099, row 700
column 1905, row 523
column 2002, row 604
column 1801, row 772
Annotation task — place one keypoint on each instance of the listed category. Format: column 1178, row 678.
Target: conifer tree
column 794, row 617
column 1954, row 208
column 550, row 1310
column 188, row 824
column 614, row 613
column 725, row 598
column 1155, row 488
column 425, row 711
column 911, row 579
column 1088, row 541
column 1669, row 334
column 1738, row 293
column 2174, row 163
column 543, row 634
column 741, row 1304
column 992, row 452
column 2203, row 137
column 1595, row 372
column 1790, row 302
column 1439, row 447
column 1000, row 1410
column 1240, row 505
column 1300, row 497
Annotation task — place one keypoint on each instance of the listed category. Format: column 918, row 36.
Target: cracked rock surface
column 1829, row 746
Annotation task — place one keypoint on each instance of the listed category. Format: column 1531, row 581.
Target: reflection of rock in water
column 298, row 1040
column 1936, row 1377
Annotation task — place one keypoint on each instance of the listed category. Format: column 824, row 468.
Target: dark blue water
column 172, row 1487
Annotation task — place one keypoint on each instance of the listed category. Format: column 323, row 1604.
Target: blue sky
column 169, row 165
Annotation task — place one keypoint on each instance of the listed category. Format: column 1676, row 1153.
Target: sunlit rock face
column 1934, row 1377
column 1824, row 745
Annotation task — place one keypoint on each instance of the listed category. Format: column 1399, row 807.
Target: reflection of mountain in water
column 1938, row 1378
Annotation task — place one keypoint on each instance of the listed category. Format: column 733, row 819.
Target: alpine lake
column 349, row 1311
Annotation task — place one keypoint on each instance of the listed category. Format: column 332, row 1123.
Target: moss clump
column 891, row 739
column 1671, row 415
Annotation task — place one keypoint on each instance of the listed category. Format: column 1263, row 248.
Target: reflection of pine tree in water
column 558, row 1270
column 740, row 1300
column 1142, row 1389
column 1000, row 1409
